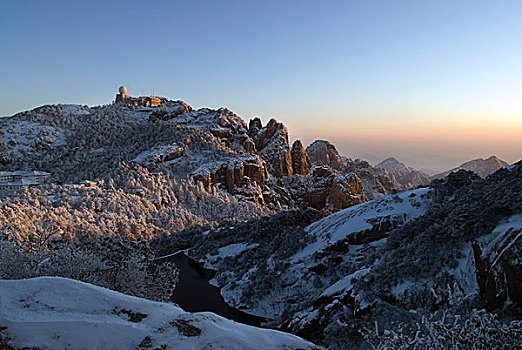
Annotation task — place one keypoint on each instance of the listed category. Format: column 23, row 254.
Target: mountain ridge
column 480, row 166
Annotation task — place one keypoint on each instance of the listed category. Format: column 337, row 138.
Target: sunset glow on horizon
column 431, row 83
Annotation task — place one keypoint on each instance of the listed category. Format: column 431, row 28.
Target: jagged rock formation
column 300, row 161
column 272, row 145
column 247, row 176
column 376, row 182
column 214, row 148
column 323, row 152
column 481, row 167
column 345, row 191
column 325, row 189
column 405, row 177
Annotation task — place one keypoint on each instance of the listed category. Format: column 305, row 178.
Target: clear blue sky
column 431, row 82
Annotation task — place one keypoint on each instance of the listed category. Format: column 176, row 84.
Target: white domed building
column 122, row 94
column 143, row 101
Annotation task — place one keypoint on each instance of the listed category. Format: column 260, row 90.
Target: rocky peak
column 254, row 126
column 404, row 176
column 272, row 145
column 322, row 152
column 392, row 164
column 300, row 160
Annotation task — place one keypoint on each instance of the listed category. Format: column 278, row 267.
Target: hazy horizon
column 433, row 84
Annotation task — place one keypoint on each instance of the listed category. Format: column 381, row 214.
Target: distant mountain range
column 481, row 167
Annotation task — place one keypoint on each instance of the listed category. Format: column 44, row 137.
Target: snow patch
column 59, row 313
column 345, row 283
column 23, row 137
column 76, row 110
column 406, row 205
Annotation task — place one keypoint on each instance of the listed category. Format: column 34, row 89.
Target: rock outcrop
column 376, row 182
column 345, row 191
column 323, row 152
column 238, row 176
column 405, row 177
column 324, row 188
column 300, row 160
column 272, row 145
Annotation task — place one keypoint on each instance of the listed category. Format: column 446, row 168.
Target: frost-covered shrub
column 108, row 262
column 133, row 203
column 481, row 330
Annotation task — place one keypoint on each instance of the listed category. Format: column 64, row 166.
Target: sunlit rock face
column 272, row 145
column 300, row 160
column 323, row 152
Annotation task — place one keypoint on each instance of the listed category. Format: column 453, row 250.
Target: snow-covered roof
column 24, row 173
column 21, row 182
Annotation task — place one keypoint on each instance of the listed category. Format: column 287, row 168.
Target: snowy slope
column 401, row 207
column 22, row 138
column 59, row 313
column 345, row 237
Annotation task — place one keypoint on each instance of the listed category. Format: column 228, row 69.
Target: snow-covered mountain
column 405, row 176
column 59, row 313
column 449, row 248
column 239, row 200
column 195, row 165
column 480, row 166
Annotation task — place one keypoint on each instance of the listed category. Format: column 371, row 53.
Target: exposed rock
column 237, row 174
column 300, row 161
column 254, row 126
column 345, row 191
column 272, row 145
column 323, row 189
column 405, row 177
column 249, row 145
column 498, row 269
column 376, row 182
column 323, row 152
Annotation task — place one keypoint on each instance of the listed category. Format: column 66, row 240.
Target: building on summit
column 143, row 101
